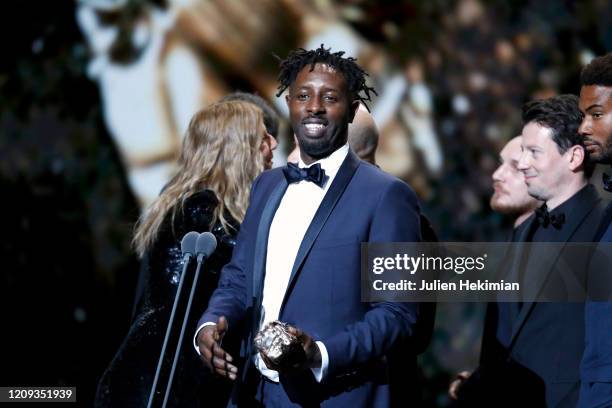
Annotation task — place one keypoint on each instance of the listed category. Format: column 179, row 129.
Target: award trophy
column 278, row 345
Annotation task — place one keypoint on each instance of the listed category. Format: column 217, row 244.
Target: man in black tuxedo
column 510, row 198
column 531, row 351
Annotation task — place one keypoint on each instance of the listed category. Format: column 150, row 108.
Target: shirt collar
column 331, row 163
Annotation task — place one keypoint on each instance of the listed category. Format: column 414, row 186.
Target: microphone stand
column 188, row 254
column 200, row 260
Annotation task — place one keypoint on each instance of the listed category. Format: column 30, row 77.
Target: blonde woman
column 226, row 146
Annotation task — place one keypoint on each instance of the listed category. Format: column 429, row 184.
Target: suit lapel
column 515, row 253
column 523, row 230
column 261, row 247
column 341, row 181
column 574, row 221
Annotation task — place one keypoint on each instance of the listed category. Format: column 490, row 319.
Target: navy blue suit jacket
column 323, row 297
column 596, row 367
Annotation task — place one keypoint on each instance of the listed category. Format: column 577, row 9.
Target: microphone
column 188, row 244
column 205, row 246
column 188, row 249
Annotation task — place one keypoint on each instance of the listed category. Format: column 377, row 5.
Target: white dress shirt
column 291, row 220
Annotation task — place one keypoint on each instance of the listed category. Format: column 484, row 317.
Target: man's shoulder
column 268, row 177
column 272, row 174
column 605, row 229
column 379, row 181
column 593, row 208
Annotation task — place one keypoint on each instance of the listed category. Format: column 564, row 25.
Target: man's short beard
column 317, row 150
column 606, row 153
column 320, row 148
column 508, row 209
column 605, row 157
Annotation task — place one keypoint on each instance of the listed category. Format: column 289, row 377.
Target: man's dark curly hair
column 562, row 116
column 355, row 75
column 598, row 72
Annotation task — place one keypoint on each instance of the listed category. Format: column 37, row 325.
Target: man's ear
column 354, row 107
column 577, row 157
column 287, row 97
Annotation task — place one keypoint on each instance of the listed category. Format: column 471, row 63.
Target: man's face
column 268, row 145
column 544, row 168
column 596, row 127
column 320, row 110
column 511, row 196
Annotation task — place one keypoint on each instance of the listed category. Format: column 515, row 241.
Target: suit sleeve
column 229, row 299
column 396, row 219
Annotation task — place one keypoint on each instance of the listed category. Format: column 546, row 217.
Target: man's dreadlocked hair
column 355, row 75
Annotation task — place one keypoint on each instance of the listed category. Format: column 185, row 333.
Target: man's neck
column 521, row 218
column 308, row 160
column 566, row 193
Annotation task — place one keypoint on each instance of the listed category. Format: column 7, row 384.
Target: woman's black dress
column 127, row 381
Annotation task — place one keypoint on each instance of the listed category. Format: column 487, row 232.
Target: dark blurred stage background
column 95, row 95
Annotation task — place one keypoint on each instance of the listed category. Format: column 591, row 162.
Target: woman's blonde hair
column 220, row 152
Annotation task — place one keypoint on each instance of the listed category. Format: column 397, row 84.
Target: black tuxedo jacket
column 531, row 351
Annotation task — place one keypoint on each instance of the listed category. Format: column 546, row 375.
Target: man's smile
column 314, row 127
column 529, row 177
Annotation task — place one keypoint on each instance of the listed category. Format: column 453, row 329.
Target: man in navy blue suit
column 297, row 260
column 596, row 128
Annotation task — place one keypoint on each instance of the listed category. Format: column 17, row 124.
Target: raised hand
column 212, row 354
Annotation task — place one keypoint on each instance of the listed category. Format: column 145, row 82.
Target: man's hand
column 213, row 356
column 453, row 389
column 311, row 357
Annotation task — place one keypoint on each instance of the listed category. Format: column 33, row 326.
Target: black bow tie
column 314, row 173
column 544, row 218
column 607, row 182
